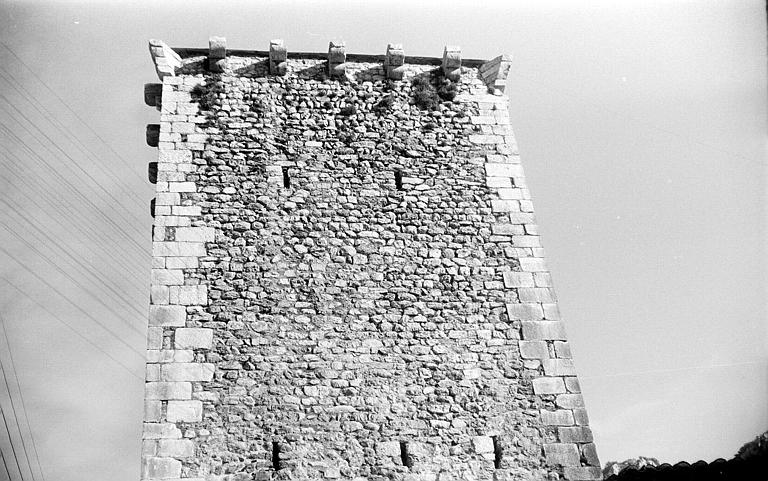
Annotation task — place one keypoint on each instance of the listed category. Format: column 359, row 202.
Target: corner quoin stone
column 193, row 338
column 167, row 315
column 304, row 278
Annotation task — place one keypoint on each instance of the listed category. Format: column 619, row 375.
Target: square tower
column 347, row 277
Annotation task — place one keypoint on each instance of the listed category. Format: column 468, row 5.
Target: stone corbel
column 394, row 62
column 494, row 73
column 165, row 59
column 217, row 54
column 452, row 62
column 337, row 56
column 278, row 57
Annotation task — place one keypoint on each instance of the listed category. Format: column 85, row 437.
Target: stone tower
column 347, row 278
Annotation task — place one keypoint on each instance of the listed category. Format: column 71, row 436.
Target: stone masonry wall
column 346, row 285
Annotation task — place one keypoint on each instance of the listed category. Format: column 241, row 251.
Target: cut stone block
column 193, row 338
column 167, row 316
column 570, row 401
column 562, row 454
column 161, row 431
column 185, row 411
column 582, row 473
column 482, row 444
column 559, row 367
column 548, row 385
column 168, row 390
column 186, row 371
column 525, row 312
column 561, row 417
column 176, row 448
column 543, row 331
column 388, row 448
column 534, row 350
column 189, row 295
column 160, row 468
column 575, row 434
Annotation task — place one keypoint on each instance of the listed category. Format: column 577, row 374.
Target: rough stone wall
column 347, row 286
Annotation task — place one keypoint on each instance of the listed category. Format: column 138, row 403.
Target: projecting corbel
column 153, row 134
column 217, row 54
column 278, row 57
column 337, row 56
column 153, row 95
column 494, row 73
column 394, row 61
column 452, row 62
column 165, row 59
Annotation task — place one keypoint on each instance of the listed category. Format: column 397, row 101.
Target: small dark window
column 286, row 178
column 399, row 179
column 275, row 456
column 404, row 456
column 498, row 452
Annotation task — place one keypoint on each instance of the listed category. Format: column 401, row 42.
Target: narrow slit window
column 404, row 456
column 498, row 452
column 399, row 179
column 275, row 455
column 286, row 177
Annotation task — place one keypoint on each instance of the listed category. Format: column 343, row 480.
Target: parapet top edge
column 493, row 72
column 186, row 52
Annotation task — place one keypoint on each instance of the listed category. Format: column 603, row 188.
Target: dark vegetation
column 429, row 90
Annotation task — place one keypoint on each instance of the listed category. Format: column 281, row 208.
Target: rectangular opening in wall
column 498, row 452
column 405, row 457
column 275, row 456
column 286, row 178
column 399, row 179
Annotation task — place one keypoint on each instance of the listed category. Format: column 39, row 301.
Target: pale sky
column 642, row 129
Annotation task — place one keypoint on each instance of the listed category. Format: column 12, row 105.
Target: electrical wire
column 69, row 276
column 15, row 414
column 21, row 396
column 65, row 154
column 2, row 458
column 74, row 190
column 93, row 271
column 67, row 106
column 74, row 304
column 83, row 227
column 52, row 120
column 73, row 329
column 10, row 440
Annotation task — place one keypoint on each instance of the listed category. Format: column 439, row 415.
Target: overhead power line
column 90, row 269
column 77, row 116
column 21, row 397
column 65, row 154
column 71, row 302
column 13, row 447
column 24, row 448
column 71, row 278
column 49, row 116
column 5, row 465
column 73, row 222
column 72, row 188
column 73, row 329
